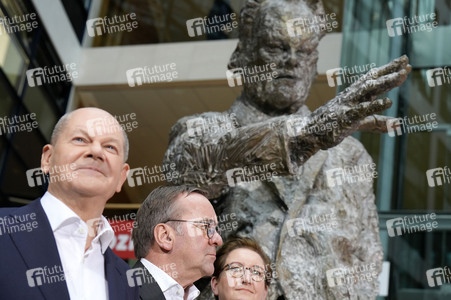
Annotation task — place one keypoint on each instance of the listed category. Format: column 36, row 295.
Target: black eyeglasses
column 209, row 226
column 237, row 270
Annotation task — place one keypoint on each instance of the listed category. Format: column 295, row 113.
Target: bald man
column 56, row 247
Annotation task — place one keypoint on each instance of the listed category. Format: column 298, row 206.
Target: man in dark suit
column 175, row 241
column 56, row 247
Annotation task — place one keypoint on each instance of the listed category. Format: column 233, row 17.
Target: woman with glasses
column 242, row 271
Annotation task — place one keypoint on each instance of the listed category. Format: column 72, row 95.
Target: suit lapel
column 38, row 250
column 150, row 290
column 116, row 290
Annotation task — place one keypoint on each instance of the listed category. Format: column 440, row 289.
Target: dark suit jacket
column 30, row 265
column 149, row 290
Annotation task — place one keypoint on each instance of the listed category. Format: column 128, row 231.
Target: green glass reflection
column 12, row 60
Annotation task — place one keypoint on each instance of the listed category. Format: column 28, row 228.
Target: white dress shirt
column 84, row 271
column 172, row 290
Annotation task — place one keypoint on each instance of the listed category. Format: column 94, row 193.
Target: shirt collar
column 60, row 215
column 164, row 281
column 105, row 234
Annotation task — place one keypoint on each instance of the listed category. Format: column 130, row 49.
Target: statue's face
column 295, row 59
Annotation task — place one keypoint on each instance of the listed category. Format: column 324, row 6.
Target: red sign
column 122, row 243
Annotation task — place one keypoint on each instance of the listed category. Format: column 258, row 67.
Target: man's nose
column 216, row 239
column 96, row 151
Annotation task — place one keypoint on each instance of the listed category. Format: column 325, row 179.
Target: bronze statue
column 315, row 226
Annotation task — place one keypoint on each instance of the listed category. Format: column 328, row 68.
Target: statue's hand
column 375, row 124
column 353, row 108
column 375, row 82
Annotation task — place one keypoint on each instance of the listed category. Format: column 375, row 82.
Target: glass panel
column 6, row 98
column 430, row 149
column 12, row 60
column 411, row 256
column 26, row 139
column 36, row 102
column 46, row 56
column 15, row 181
column 2, row 149
column 24, row 20
column 77, row 11
column 418, row 195
column 411, row 154
column 420, row 143
column 169, row 21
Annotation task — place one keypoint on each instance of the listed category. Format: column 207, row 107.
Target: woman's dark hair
column 238, row 243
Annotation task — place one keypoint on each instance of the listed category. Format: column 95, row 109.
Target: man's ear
column 47, row 152
column 164, row 237
column 214, row 285
column 124, row 174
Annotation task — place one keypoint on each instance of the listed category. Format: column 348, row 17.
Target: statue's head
column 266, row 37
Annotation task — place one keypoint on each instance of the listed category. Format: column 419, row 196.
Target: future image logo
column 93, row 226
column 18, row 223
column 212, row 126
column 407, row 25
column 413, row 124
column 438, row 276
column 335, row 277
column 350, row 276
column 146, row 175
column 157, row 73
column 111, row 25
column 48, row 75
column 35, row 177
column 112, row 124
column 253, row 174
column 411, row 224
column 45, row 275
column 227, row 223
column 17, row 24
column 306, row 26
column 138, row 277
column 438, row 176
column 35, row 77
column 251, row 74
column 297, row 126
column 355, row 174
column 348, row 75
column 312, row 224
column 18, row 123
column 438, row 76
column 211, row 25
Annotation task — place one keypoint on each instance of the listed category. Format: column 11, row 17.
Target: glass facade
column 170, row 21
column 77, row 12
column 28, row 113
column 377, row 32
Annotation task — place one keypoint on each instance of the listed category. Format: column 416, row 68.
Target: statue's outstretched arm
column 283, row 143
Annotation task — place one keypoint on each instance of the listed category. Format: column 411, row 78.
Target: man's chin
column 90, row 187
column 208, row 271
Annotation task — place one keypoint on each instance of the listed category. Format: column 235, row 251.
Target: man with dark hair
column 175, row 242
column 66, row 254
